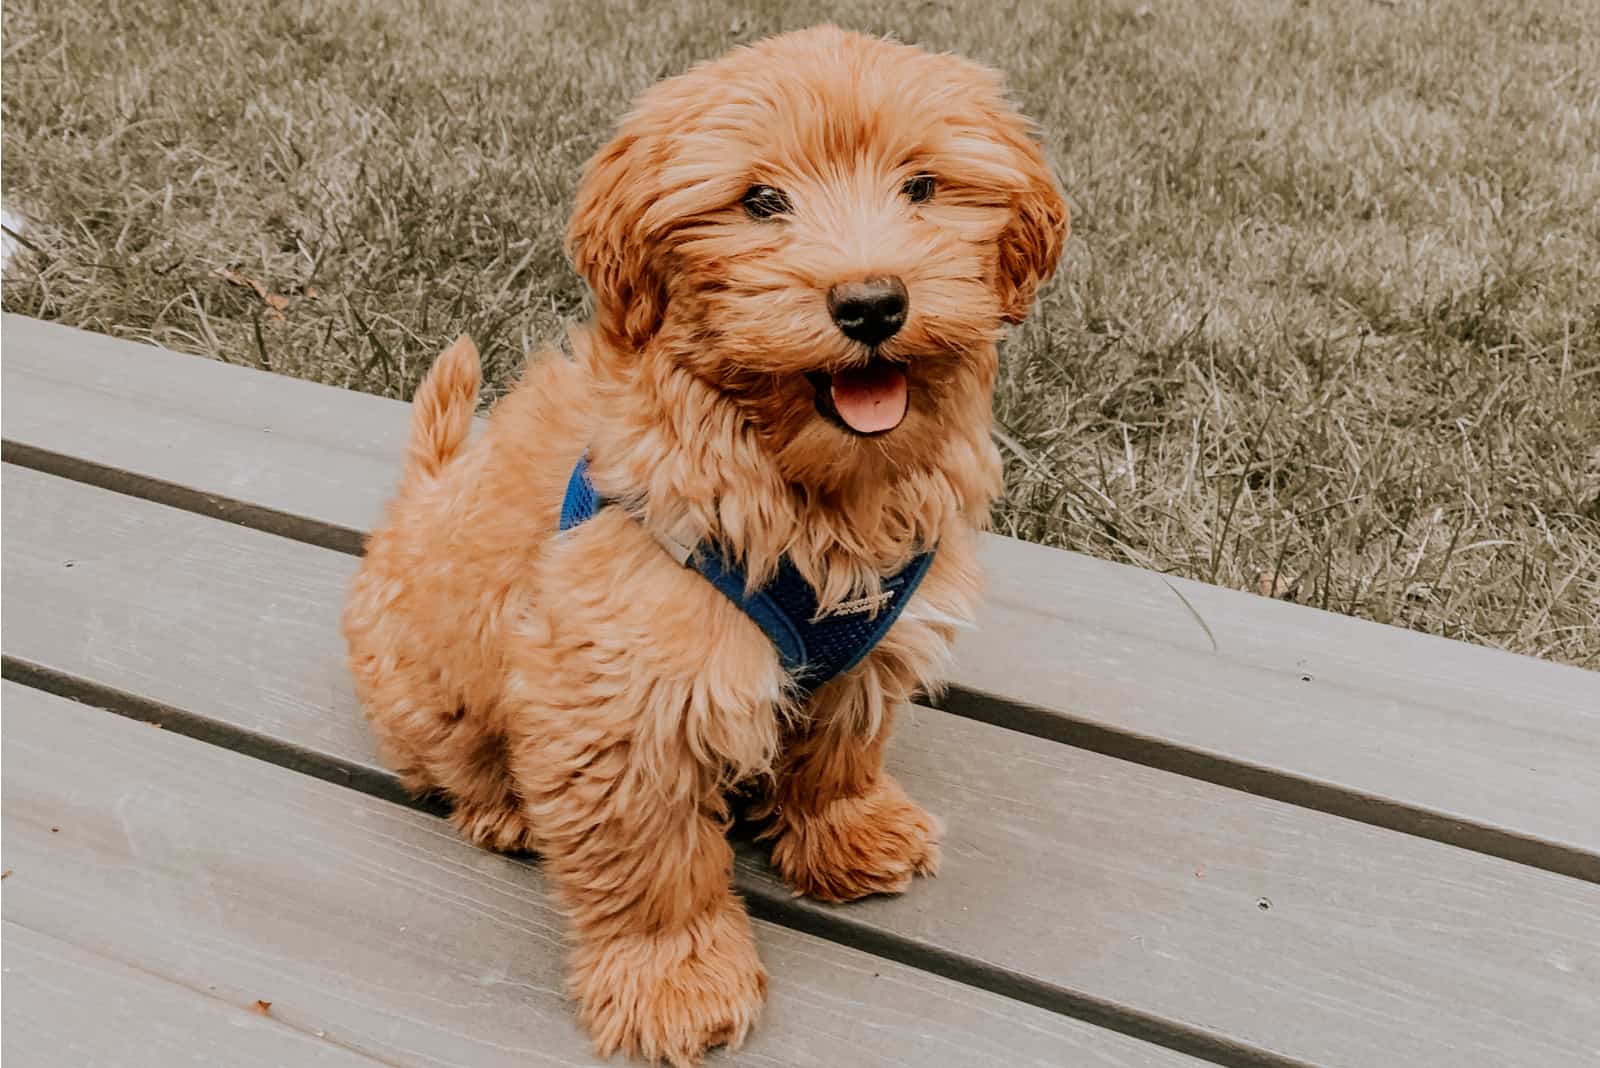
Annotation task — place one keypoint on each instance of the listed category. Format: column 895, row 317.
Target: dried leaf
column 275, row 302
column 262, row 1008
column 1276, row 585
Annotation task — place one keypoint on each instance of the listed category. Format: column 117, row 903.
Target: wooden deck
column 1185, row 824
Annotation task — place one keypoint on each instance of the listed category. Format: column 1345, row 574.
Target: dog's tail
column 441, row 412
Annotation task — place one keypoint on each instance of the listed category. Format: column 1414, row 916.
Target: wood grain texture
column 1476, row 747
column 277, row 452
column 1074, row 872
column 1471, row 735
column 69, row 1007
column 371, row 929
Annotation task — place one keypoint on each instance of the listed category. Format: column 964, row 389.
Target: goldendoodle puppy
column 726, row 541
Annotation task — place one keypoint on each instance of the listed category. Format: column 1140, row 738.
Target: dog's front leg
column 843, row 826
column 664, row 964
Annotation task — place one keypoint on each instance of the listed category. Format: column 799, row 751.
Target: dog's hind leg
column 485, row 805
column 437, row 745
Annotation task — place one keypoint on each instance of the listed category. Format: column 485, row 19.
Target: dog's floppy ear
column 1030, row 245
column 608, row 243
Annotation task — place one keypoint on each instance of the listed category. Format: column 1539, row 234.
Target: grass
column 1328, row 326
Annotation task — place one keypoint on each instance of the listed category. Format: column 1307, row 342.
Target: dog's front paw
column 854, row 846
column 672, row 995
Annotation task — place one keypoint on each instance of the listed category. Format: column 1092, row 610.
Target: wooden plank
column 1475, row 747
column 1491, row 751
column 1077, row 880
column 65, row 1005
column 254, row 447
column 372, row 930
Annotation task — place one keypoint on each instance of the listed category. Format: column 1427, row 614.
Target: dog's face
column 830, row 230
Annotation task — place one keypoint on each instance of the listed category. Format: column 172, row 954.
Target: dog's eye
column 763, row 202
column 918, row 188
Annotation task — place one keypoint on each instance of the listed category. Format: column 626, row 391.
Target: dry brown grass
column 1329, row 311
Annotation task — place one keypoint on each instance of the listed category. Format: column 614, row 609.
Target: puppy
column 802, row 256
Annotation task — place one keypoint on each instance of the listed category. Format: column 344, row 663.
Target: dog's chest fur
column 614, row 622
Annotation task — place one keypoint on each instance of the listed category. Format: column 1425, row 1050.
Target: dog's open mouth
column 866, row 400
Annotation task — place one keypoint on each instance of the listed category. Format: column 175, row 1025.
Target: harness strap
column 813, row 647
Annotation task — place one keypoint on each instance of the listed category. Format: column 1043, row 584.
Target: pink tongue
column 871, row 398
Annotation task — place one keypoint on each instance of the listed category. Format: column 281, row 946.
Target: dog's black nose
column 869, row 311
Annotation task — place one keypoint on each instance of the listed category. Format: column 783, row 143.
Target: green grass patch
column 1328, row 324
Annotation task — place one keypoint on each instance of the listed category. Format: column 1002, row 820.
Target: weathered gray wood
column 68, row 1007
column 371, row 929
column 1476, row 747
column 1077, row 875
column 1466, row 733
column 242, row 439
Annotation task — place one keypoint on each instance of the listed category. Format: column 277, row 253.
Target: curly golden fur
column 586, row 697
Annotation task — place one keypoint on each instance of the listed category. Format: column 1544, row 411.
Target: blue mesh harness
column 813, row 648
